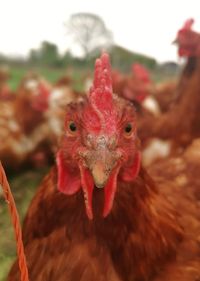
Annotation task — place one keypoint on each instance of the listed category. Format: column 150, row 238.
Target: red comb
column 101, row 91
column 141, row 73
column 102, row 74
column 188, row 24
column 101, row 94
column 188, row 40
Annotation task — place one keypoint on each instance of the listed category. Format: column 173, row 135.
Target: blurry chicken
column 15, row 145
column 136, row 88
column 181, row 174
column 33, row 98
column 98, row 215
column 10, row 135
column 24, row 133
column 188, row 40
column 61, row 95
column 165, row 93
column 181, row 123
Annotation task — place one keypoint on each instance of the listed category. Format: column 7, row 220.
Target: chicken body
column 181, row 174
column 166, row 94
column 139, row 236
column 170, row 125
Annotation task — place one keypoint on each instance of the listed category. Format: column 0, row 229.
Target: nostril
column 102, row 141
column 119, row 154
column 112, row 143
column 91, row 141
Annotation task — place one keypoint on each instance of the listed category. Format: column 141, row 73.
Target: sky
column 144, row 26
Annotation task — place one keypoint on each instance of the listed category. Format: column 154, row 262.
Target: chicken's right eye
column 128, row 130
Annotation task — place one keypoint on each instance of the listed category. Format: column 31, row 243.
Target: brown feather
column 133, row 243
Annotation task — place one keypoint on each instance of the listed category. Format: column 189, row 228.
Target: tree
column 34, row 56
column 46, row 54
column 89, row 32
column 49, row 53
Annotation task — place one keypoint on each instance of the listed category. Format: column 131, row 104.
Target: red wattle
column 131, row 172
column 87, row 184
column 109, row 191
column 68, row 179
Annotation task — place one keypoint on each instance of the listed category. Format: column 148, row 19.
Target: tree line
column 90, row 35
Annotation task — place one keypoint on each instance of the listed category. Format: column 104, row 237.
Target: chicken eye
column 128, row 129
column 72, row 127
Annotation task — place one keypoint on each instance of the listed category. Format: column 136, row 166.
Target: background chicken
column 24, row 133
column 171, row 124
column 136, row 87
column 165, row 94
column 98, row 171
column 61, row 95
column 181, row 174
column 32, row 99
column 180, row 124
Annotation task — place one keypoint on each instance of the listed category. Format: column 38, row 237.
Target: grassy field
column 77, row 75
column 50, row 74
column 23, row 186
column 17, row 73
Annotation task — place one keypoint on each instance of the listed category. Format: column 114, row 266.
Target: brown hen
column 98, row 215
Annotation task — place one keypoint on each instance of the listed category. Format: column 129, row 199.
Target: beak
column 100, row 174
column 175, row 41
column 102, row 164
column 101, row 170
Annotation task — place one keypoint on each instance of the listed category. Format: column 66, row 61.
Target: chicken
column 10, row 136
column 61, row 95
column 189, row 47
column 33, row 95
column 156, row 149
column 183, row 171
column 24, row 133
column 188, row 40
column 16, row 148
column 166, row 94
column 98, row 215
column 136, row 88
column 181, row 122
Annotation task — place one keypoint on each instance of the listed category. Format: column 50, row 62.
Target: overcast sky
column 145, row 26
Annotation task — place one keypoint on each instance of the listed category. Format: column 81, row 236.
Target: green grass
column 54, row 74
column 23, row 187
column 17, row 73
column 50, row 74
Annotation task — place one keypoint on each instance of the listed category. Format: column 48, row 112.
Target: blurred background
column 41, row 35
column 47, row 54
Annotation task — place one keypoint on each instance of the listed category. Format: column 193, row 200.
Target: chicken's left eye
column 72, row 127
column 128, row 128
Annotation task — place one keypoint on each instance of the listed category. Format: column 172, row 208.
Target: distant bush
column 47, row 55
column 123, row 59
